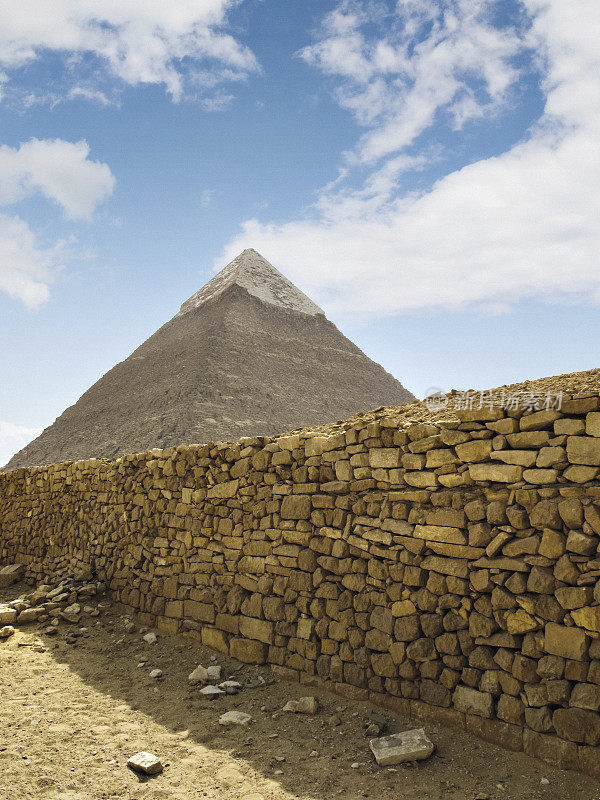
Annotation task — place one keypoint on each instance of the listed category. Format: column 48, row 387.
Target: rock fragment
column 304, row 705
column 212, row 692
column 413, row 745
column 10, row 574
column 235, row 718
column 144, row 762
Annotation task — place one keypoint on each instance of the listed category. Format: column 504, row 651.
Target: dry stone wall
column 447, row 569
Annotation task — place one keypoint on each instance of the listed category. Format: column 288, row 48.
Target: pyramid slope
column 232, row 366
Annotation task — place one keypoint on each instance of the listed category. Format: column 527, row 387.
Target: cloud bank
column 61, row 172
column 523, row 224
column 132, row 42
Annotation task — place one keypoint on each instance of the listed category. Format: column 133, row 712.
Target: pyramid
column 247, row 355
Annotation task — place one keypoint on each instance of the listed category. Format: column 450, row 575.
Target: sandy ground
column 71, row 715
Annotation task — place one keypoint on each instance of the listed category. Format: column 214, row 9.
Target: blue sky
column 428, row 172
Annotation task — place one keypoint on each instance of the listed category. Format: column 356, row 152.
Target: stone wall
column 447, row 569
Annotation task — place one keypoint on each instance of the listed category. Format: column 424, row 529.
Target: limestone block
column 539, row 420
column 296, row 506
column 498, row 473
column 413, row 745
column 477, row 450
column 421, row 479
column 588, row 618
column 578, row 474
column 256, row 629
column 592, row 423
column 540, row 476
column 385, row 457
column 560, row 640
column 583, row 450
column 585, row 695
column 446, row 566
column 7, row 615
column 471, row 701
column 527, row 440
column 223, row 490
column 440, row 533
column 553, row 544
column 569, row 426
column 577, row 725
column 248, row 651
column 572, row 597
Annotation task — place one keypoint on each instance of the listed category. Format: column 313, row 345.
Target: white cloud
column 426, row 58
column 59, row 170
column 26, row 266
column 135, row 42
column 62, row 172
column 13, row 438
column 523, row 224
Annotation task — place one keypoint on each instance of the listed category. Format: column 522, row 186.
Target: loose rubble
column 52, row 603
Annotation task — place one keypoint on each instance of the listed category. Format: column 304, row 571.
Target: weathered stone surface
column 500, row 473
column 235, row 718
column 565, row 642
column 144, row 762
column 7, row 615
column 385, row 457
column 588, row 618
column 10, row 574
column 577, row 725
column 248, row 651
column 438, row 533
column 478, row 450
column 296, row 506
column 522, row 458
column 583, row 450
column 413, row 745
column 223, row 490
column 303, row 705
column 470, row 701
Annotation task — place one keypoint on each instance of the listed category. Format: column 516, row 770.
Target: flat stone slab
column 413, row 745
column 145, row 762
column 235, row 718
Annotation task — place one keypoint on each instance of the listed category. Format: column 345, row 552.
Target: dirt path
column 71, row 715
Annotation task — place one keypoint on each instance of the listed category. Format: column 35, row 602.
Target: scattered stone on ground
column 212, row 692
column 204, row 675
column 303, row 705
column 72, row 715
column 413, row 745
column 235, row 718
column 156, row 673
column 144, row 762
column 150, row 638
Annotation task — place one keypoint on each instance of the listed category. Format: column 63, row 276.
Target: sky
column 428, row 171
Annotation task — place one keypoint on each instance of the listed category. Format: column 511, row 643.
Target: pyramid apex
column 252, row 272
